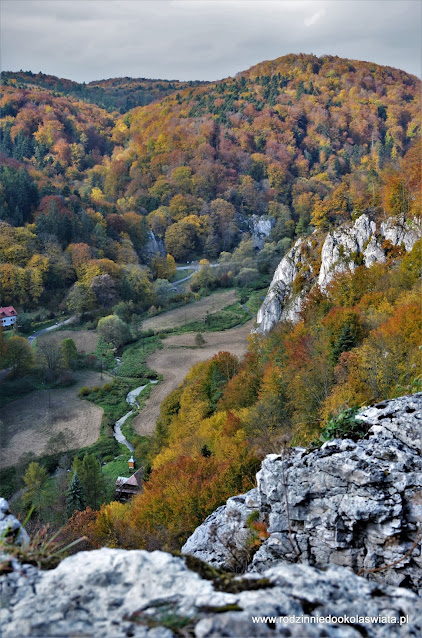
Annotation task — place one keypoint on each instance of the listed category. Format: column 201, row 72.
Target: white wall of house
column 8, row 321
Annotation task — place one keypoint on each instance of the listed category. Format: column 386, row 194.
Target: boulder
column 10, row 527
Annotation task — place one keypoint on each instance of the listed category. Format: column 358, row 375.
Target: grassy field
column 255, row 300
column 29, row 423
column 134, row 359
column 196, row 311
column 226, row 318
column 85, row 340
column 31, row 416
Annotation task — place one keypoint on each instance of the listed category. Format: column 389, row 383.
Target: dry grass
column 175, row 360
column 196, row 311
column 27, row 424
column 85, row 340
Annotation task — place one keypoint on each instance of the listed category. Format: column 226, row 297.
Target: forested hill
column 309, row 142
column 286, row 133
column 114, row 94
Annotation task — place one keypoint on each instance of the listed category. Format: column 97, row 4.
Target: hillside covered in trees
column 301, row 385
column 114, row 94
column 305, row 141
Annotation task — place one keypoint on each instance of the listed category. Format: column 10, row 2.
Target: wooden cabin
column 126, row 488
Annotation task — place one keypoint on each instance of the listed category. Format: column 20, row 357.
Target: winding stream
column 131, row 400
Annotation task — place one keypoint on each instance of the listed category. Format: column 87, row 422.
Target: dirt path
column 191, row 312
column 175, row 360
column 27, row 424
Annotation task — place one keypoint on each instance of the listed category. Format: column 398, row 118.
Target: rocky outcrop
column 354, row 504
column 278, row 304
column 343, row 245
column 116, row 593
column 154, row 247
column 342, row 250
column 261, row 228
column 10, row 527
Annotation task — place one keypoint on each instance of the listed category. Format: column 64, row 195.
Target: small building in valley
column 126, row 488
column 8, row 316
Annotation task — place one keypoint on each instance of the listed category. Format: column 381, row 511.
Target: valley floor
column 175, row 360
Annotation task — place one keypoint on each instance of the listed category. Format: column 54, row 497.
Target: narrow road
column 194, row 267
column 44, row 330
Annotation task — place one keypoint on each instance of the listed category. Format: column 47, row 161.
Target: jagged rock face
column 355, row 504
column 278, row 304
column 10, row 527
column 222, row 539
column 116, row 593
column 261, row 228
column 339, row 246
column 406, row 232
column 339, row 251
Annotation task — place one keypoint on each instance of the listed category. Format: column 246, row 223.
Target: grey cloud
column 201, row 39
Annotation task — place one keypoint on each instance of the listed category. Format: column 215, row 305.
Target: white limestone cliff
column 343, row 248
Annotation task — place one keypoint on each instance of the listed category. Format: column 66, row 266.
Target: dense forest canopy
column 114, row 94
column 307, row 141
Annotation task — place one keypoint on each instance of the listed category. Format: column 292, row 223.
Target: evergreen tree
column 345, row 342
column 92, row 481
column 75, row 497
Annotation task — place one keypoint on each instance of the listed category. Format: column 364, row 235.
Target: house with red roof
column 8, row 316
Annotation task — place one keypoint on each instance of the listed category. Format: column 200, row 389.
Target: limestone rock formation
column 278, row 303
column 355, row 504
column 116, row 593
column 10, row 527
column 360, row 242
column 261, row 227
column 348, row 505
column 154, row 247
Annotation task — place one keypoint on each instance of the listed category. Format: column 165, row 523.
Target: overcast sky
column 201, row 39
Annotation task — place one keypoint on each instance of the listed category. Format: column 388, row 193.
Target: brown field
column 85, row 340
column 27, row 424
column 175, row 360
column 191, row 312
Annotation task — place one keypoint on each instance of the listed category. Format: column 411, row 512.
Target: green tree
column 81, row 298
column 18, row 355
column 92, row 480
column 75, row 497
column 345, row 342
column 199, row 340
column 24, row 322
column 35, row 479
column 69, row 352
column 49, row 356
column 114, row 330
column 163, row 289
